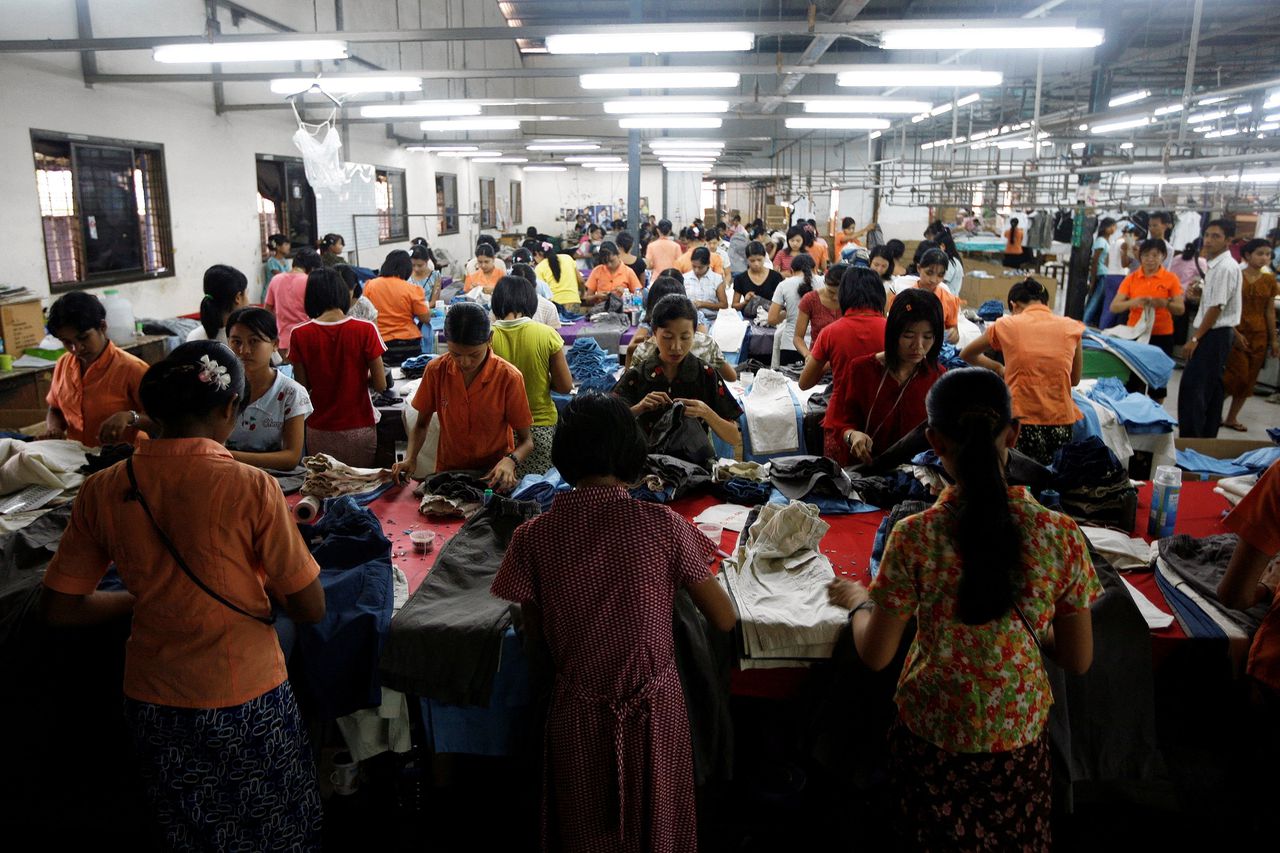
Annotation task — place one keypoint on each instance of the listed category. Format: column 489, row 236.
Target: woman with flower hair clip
column 205, row 547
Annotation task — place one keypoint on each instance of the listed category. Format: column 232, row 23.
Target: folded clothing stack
column 1093, row 485
column 777, row 580
column 590, row 365
column 541, row 488
column 327, row 478
column 1188, row 571
column 454, row 494
column 665, row 478
column 1234, row 489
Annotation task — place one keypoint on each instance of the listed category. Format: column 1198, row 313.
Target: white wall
column 547, row 193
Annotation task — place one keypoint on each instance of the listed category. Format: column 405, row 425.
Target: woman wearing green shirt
column 537, row 351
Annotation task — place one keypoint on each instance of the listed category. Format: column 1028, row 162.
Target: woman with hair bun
column 205, row 546
column 224, row 291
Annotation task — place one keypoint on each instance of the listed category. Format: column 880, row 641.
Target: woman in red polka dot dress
column 619, row 764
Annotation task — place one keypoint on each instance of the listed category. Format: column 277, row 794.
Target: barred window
column 104, row 208
column 447, row 203
column 393, row 214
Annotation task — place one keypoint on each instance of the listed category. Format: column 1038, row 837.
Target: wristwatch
column 134, row 418
column 515, row 460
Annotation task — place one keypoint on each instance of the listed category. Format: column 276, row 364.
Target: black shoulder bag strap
column 136, row 494
column 1027, row 624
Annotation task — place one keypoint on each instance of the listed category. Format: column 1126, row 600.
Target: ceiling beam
column 845, row 12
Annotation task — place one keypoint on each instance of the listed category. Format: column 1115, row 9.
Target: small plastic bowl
column 711, row 531
column 423, row 541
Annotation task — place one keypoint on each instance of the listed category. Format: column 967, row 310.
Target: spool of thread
column 307, row 509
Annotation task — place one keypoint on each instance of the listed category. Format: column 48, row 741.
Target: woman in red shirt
column 859, row 332
column 820, row 307
column 884, row 394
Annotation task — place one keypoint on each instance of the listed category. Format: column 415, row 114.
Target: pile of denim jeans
column 1094, row 485
column 591, row 366
column 991, row 310
column 666, row 478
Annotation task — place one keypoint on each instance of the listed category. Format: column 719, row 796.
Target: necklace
column 892, row 408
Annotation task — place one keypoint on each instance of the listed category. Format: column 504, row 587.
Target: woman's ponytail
column 553, row 260
column 222, row 286
column 803, row 264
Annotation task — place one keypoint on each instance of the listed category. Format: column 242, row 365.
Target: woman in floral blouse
column 995, row 581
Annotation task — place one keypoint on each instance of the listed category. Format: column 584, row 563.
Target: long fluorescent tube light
column 1112, row 127
column 254, row 51
column 1201, row 118
column 692, row 167
column 931, row 76
column 607, row 168
column 473, row 124
column 675, row 122
column 421, row 110
column 591, row 159
column 1169, row 110
column 1204, row 102
column 439, row 148
column 500, row 159
column 458, row 154
column 562, row 146
column 968, row 99
column 802, row 123
column 1129, row 98
column 1269, row 125
column 1079, row 146
column 695, row 41
column 676, row 144
column 546, row 168
column 1148, row 180
column 867, row 105
column 660, row 80
column 1126, row 146
column 962, row 37
column 346, row 85
column 664, row 105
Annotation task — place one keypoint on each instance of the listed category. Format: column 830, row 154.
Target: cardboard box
column 21, row 326
column 1217, row 448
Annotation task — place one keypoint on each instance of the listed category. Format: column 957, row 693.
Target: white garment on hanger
column 321, row 156
column 771, row 415
column 728, row 330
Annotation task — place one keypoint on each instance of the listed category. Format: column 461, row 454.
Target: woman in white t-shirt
column 271, row 430
column 225, row 290
column 786, row 308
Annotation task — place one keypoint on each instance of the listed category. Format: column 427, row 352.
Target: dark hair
column 911, row 306
column 1104, row 223
column 933, row 229
column 671, row 272
column 467, row 323
column 803, row 265
column 847, row 222
column 258, row 320
column 351, row 280
column 422, row 252
column 1253, row 245
column 795, row 231
column 222, row 284
column 1013, row 223
column 664, row 285
column 418, row 241
column 397, row 265
column 179, row 388
column 487, row 239
column 597, row 436
column 672, row 308
column 594, row 228
column 886, row 253
column 947, row 243
column 607, row 250
column 79, row 310
column 326, row 290
column 307, row 259
column 755, row 247
column 693, row 232
column 624, row 240
column 835, row 274
column 861, row 288
column 921, row 248
column 1162, row 215
column 1028, row 290
column 1192, row 250
column 484, row 250
column 1228, row 227
column 526, row 272
column 522, row 256
column 514, row 294
column 531, row 231
column 275, row 241
column 1152, row 245
column 552, row 257
column 328, row 241
column 971, row 407
column 934, row 258
column 664, row 227
column 897, row 248
column 700, row 255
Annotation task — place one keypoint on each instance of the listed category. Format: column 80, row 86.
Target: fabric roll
column 307, row 509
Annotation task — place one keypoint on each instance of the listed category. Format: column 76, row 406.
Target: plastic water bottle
column 1165, row 489
column 120, row 320
column 488, row 496
column 1050, row 499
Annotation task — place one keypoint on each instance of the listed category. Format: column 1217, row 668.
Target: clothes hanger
column 314, row 87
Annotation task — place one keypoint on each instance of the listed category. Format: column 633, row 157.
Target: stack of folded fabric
column 899, row 512
column 541, row 488
column 1188, row 571
column 454, row 494
column 1093, row 485
column 815, row 480
column 992, row 309
column 591, row 366
column 413, row 368
column 1138, row 413
column 328, row 478
column 1251, row 462
column 1234, row 489
column 741, row 482
column 777, row 580
column 666, row 478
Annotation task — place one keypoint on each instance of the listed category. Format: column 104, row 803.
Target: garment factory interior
column 624, row 425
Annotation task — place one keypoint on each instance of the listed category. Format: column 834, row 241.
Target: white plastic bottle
column 120, row 326
column 1166, row 486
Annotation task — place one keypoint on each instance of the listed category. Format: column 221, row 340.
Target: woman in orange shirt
column 205, row 545
column 398, row 303
column 1043, row 361
column 1013, row 244
column 93, row 398
column 1151, row 286
column 486, row 274
column 697, row 238
column 611, row 276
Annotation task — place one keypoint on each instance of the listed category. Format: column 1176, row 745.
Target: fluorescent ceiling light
column 1188, row 179
column 664, row 105
column 688, row 155
column 1013, row 143
column 694, row 41
column 438, row 148
column 1260, row 176
column 940, row 109
column 423, row 109
column 500, row 159
column 255, row 51
column 1273, row 100
column 1201, row 118
column 593, row 159
column 1272, row 117
column 660, row 80
column 802, row 123
column 867, row 105
column 458, row 154
column 1204, row 128
column 1168, row 110
column 346, row 85
column 1079, row 146
column 962, row 37
column 1218, row 134
column 562, row 146
column 659, row 122
column 1204, row 102
column 473, row 124
column 622, row 168
column 968, row 99
column 546, row 168
column 1148, row 180
column 676, row 144
column 931, row 76
column 1243, row 110
column 1129, row 98
column 1270, row 125
column 1128, row 124
column 875, row 134
column 688, row 167
column 1125, row 146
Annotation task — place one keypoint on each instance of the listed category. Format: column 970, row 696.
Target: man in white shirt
column 1200, row 395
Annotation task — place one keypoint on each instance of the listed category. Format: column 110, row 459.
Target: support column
column 633, row 150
